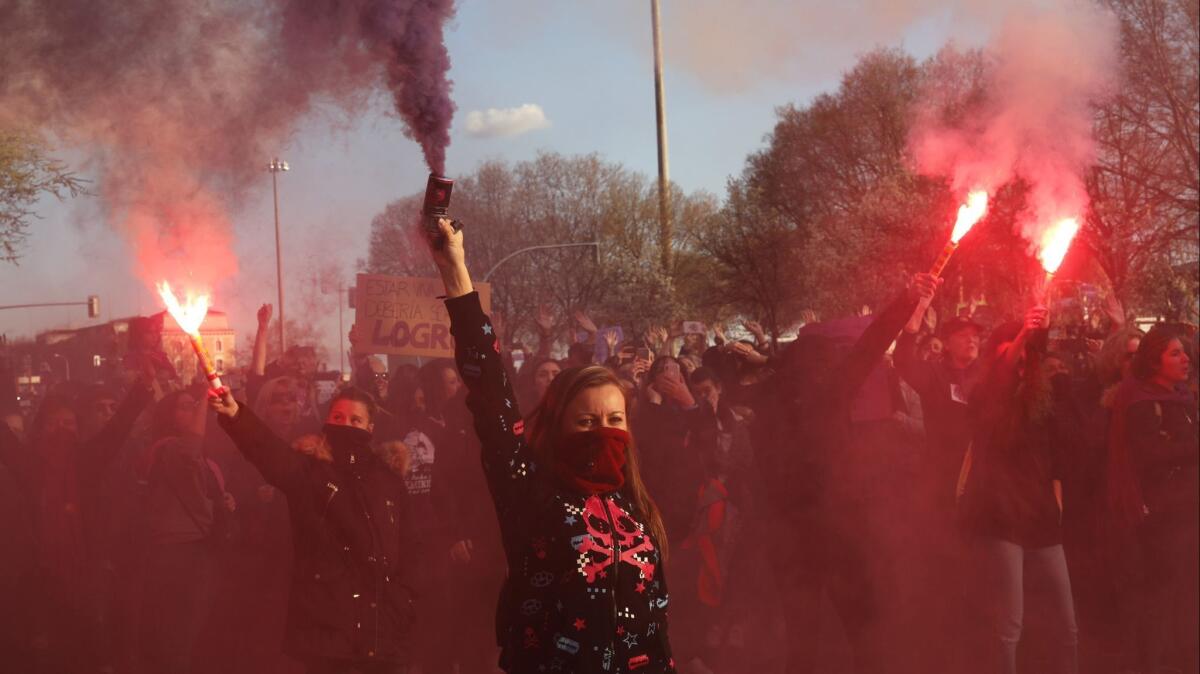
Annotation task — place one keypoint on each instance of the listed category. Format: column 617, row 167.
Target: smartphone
column 643, row 353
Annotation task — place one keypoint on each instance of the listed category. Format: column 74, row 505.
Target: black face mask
column 347, row 439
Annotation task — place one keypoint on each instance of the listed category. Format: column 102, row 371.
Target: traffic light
column 93, row 305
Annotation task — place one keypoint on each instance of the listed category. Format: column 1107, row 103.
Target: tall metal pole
column 275, row 167
column 341, row 333
column 664, row 179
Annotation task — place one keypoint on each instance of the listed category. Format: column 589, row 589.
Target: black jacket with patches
column 352, row 543
column 585, row 591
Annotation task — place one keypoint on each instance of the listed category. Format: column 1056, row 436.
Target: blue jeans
column 1003, row 566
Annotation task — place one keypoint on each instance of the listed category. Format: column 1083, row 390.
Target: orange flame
column 1056, row 241
column 190, row 314
column 969, row 214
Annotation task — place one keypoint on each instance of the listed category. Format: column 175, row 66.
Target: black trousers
column 340, row 666
column 177, row 598
column 811, row 559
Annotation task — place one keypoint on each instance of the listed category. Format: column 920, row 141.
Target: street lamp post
column 660, row 115
column 341, row 302
column 506, row 258
column 276, row 167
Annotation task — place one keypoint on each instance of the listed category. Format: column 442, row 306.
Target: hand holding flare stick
column 968, row 214
column 189, row 316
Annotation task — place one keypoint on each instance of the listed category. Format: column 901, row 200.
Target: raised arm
column 918, row 373
column 1004, row 375
column 258, row 364
column 106, row 444
column 507, row 459
column 1007, row 370
column 874, row 341
column 280, row 466
column 545, row 329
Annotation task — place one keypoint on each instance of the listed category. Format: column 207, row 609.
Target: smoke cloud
column 731, row 47
column 499, row 122
column 1043, row 72
column 178, row 103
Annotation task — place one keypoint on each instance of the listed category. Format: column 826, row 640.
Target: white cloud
column 500, row 122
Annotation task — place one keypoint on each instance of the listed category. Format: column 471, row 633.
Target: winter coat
column 585, row 591
column 183, row 494
column 352, row 545
column 671, row 464
column 1154, row 455
column 805, row 422
column 1020, row 442
column 944, row 392
column 63, row 479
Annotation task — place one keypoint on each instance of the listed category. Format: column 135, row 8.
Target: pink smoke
column 179, row 104
column 1031, row 115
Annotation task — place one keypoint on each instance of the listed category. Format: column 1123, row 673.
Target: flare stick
column 968, row 214
column 210, row 372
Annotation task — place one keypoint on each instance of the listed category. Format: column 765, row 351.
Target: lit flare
column 1056, row 241
column 968, row 214
column 190, row 315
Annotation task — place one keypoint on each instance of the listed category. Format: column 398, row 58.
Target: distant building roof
column 215, row 321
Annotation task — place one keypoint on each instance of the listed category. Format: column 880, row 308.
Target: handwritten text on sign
column 402, row 315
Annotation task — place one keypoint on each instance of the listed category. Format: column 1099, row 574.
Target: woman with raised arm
column 583, row 540
column 1024, row 429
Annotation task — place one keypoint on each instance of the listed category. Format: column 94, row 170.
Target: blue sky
column 587, row 64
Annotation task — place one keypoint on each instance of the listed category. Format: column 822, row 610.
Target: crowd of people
column 886, row 493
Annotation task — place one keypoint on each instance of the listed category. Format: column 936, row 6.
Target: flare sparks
column 1056, row 241
column 968, row 214
column 189, row 316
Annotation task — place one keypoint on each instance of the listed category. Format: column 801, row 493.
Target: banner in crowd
column 402, row 315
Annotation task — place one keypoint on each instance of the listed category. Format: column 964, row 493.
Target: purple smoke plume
column 417, row 68
column 175, row 103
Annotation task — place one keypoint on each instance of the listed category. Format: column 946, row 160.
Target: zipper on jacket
column 333, row 490
column 616, row 550
column 375, row 557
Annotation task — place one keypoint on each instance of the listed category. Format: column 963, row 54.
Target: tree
column 553, row 199
column 751, row 254
column 26, row 173
column 837, row 170
column 1145, row 186
column 861, row 220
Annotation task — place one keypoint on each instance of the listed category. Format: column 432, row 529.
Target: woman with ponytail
column 583, row 540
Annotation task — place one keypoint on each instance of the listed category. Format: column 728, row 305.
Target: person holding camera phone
column 583, row 540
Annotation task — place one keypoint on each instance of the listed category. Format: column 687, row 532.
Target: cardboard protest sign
column 402, row 315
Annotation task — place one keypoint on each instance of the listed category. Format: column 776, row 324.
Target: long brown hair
column 544, row 431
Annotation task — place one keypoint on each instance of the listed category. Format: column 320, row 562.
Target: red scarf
column 593, row 462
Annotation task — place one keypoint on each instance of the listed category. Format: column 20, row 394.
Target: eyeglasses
column 380, row 376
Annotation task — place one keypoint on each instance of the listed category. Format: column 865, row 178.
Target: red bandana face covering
column 593, row 462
